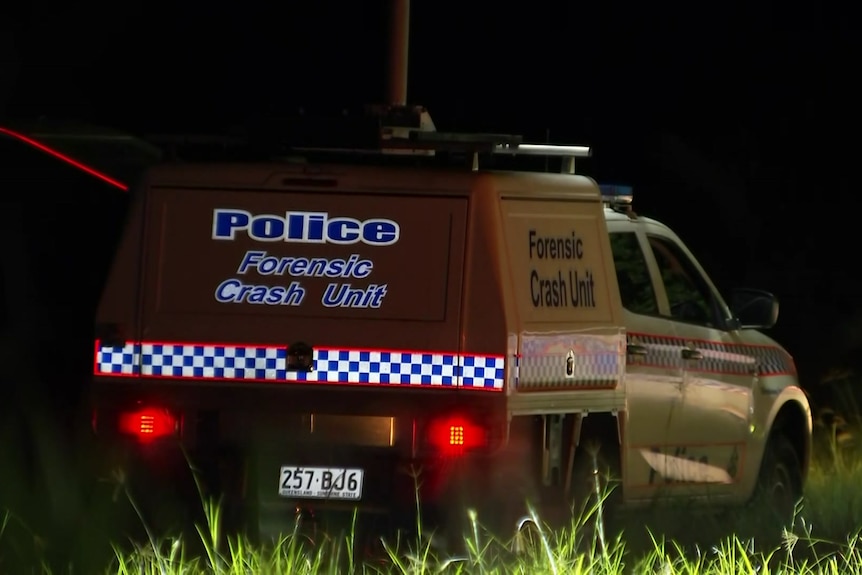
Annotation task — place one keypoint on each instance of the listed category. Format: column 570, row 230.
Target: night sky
column 737, row 126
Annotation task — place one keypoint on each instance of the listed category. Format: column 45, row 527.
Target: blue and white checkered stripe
column 262, row 363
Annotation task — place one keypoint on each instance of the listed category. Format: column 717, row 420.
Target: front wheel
column 779, row 485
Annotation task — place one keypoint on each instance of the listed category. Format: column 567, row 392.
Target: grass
column 825, row 538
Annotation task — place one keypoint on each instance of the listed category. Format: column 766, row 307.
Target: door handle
column 691, row 353
column 636, row 349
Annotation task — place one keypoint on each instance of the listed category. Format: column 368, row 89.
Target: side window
column 636, row 289
column 688, row 294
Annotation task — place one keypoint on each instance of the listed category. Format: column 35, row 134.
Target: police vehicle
column 343, row 329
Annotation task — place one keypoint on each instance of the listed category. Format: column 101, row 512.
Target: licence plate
column 320, row 482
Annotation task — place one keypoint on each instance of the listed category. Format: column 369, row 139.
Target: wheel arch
column 793, row 420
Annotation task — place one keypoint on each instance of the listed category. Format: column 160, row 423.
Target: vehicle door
column 654, row 370
column 707, row 436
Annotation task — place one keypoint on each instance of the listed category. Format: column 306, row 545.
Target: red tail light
column 456, row 435
column 148, row 423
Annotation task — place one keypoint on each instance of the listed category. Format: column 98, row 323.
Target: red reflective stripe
column 65, row 158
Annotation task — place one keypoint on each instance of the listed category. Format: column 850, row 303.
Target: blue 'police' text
column 304, row 227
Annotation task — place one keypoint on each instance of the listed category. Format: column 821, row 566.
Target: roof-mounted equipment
column 409, row 130
column 391, row 129
column 567, row 153
column 618, row 198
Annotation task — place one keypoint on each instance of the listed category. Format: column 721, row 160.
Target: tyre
column 779, row 485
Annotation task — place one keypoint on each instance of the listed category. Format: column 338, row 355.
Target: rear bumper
column 293, row 397
column 240, row 437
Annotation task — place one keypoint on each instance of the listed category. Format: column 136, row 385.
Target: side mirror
column 753, row 308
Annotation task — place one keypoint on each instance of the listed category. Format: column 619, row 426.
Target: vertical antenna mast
column 403, row 126
column 399, row 42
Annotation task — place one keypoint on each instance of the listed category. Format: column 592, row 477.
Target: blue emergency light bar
column 616, row 194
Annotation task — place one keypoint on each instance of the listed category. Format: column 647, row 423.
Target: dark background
column 737, row 125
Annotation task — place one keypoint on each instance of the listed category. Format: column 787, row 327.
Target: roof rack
column 568, row 153
column 380, row 130
column 409, row 130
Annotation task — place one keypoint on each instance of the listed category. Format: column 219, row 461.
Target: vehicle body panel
column 711, row 450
